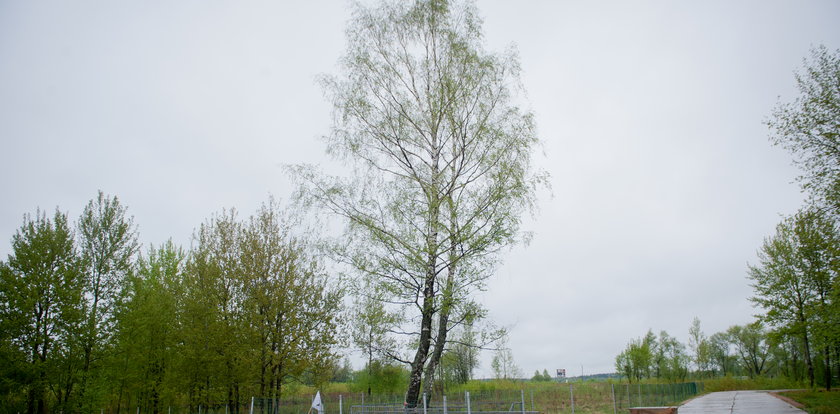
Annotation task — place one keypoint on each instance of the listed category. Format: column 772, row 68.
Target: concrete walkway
column 738, row 402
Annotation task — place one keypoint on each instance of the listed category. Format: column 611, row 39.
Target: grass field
column 735, row 384
column 558, row 398
column 509, row 396
column 817, row 401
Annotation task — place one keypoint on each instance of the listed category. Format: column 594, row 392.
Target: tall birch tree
column 441, row 157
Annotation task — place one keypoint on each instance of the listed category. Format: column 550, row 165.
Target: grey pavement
column 738, row 402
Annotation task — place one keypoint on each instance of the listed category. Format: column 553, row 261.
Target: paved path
column 738, row 402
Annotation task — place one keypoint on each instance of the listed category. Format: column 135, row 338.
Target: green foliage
column 503, row 365
column 809, row 127
column 751, row 344
column 635, row 361
column 147, row 330
column 342, row 373
column 381, row 377
column 816, row 401
column 796, row 282
column 731, row 383
column 670, row 359
column 541, row 377
column 721, row 359
column 86, row 324
column 461, row 359
column 107, row 246
column 701, row 348
column 41, row 287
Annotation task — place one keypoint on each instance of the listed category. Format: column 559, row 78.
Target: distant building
column 561, row 373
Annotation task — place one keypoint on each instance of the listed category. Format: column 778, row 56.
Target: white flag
column 316, row 403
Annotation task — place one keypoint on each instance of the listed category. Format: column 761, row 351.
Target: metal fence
column 575, row 398
column 394, row 404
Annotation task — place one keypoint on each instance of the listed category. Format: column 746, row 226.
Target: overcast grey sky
column 664, row 182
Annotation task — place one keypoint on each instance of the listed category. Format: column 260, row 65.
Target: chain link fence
column 575, row 398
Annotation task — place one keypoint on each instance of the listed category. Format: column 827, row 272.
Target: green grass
column 595, row 397
column 734, row 384
column 817, row 401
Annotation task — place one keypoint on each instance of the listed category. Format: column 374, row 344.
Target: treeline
column 796, row 281
column 90, row 321
column 750, row 350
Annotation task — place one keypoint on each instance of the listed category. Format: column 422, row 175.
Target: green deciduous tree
column 147, row 330
column 541, row 376
column 670, row 358
column 386, row 377
column 86, row 324
column 809, row 127
column 700, row 347
column 461, row 357
column 107, row 241
column 662, row 357
column 751, row 344
column 443, row 163
column 504, row 366
column 41, row 295
column 636, row 360
column 290, row 301
column 720, row 354
column 371, row 326
column 794, row 282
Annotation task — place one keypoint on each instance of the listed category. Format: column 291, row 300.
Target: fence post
column 424, row 403
column 629, row 401
column 640, row 395
column 612, row 391
column 572, row 396
column 532, row 400
column 444, row 405
column 467, row 396
column 252, row 406
column 340, row 407
column 522, row 393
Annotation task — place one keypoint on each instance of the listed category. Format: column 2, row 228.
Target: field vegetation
column 816, row 401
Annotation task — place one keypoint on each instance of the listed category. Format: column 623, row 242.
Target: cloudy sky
column 651, row 112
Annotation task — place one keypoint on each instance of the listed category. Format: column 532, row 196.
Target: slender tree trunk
column 808, row 362
column 42, row 403
column 415, row 377
column 827, row 371
column 837, row 359
column 440, row 340
column 263, row 360
column 446, row 302
column 428, row 307
column 90, row 335
column 370, row 358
